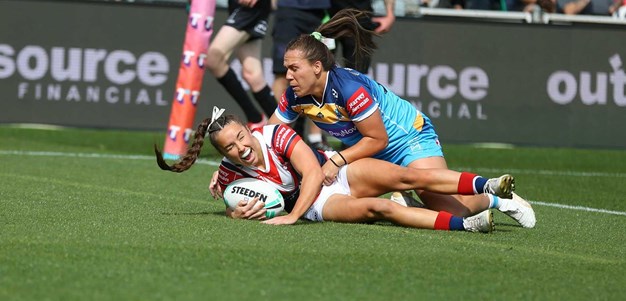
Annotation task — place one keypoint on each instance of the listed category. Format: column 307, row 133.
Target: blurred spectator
column 578, row 7
column 569, row 7
column 618, row 9
column 548, row 6
column 241, row 35
column 501, row 5
column 585, row 7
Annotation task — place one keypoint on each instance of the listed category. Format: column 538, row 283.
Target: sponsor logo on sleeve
column 282, row 138
column 359, row 102
column 226, row 175
column 282, row 104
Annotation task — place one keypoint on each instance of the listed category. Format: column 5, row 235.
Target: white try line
column 215, row 163
column 92, row 155
column 578, row 208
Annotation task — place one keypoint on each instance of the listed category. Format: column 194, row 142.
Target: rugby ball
column 249, row 188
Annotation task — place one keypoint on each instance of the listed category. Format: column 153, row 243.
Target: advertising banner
column 94, row 64
column 511, row 83
column 109, row 65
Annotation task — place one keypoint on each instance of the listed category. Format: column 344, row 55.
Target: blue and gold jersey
column 350, row 97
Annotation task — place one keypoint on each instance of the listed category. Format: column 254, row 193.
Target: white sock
column 494, row 201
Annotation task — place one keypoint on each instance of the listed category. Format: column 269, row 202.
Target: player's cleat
column 256, row 125
column 482, row 222
column 519, row 210
column 502, row 186
column 397, row 197
column 405, row 199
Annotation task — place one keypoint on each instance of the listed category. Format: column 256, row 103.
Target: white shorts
column 340, row 186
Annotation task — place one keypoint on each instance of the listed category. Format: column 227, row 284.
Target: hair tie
column 330, row 43
column 217, row 113
column 317, row 35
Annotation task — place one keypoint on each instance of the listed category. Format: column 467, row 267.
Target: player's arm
column 275, row 120
column 225, row 174
column 216, row 190
column 374, row 140
column 283, row 113
column 306, row 164
column 364, row 112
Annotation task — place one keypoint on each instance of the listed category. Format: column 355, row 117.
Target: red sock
column 466, row 183
column 442, row 222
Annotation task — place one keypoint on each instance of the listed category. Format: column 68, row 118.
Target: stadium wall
column 114, row 65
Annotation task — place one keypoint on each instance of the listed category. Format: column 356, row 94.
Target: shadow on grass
column 507, row 227
column 223, row 214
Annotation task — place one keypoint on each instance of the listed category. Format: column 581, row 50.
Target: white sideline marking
column 214, row 163
column 93, row 155
column 578, row 208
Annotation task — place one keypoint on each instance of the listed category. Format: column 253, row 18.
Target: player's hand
column 214, row 187
column 330, row 173
column 253, row 209
column 282, row 220
column 385, row 22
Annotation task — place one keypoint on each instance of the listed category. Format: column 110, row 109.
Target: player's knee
column 422, row 178
column 252, row 76
column 215, row 59
column 381, row 209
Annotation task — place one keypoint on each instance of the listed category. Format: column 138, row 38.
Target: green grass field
column 87, row 215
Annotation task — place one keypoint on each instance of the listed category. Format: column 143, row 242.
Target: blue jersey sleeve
column 357, row 94
column 284, row 111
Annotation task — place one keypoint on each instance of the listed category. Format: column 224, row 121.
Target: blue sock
column 494, row 201
column 456, row 223
column 479, row 184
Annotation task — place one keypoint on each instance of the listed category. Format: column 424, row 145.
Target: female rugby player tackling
column 369, row 118
column 277, row 155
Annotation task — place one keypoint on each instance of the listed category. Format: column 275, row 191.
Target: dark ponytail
column 344, row 24
column 194, row 151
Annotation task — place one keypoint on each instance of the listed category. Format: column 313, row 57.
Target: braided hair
column 208, row 126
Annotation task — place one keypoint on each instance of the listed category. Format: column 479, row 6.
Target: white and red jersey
column 277, row 143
